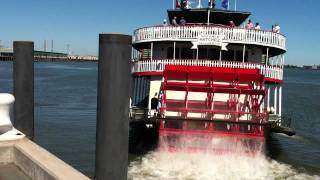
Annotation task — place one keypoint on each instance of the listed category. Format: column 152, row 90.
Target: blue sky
column 78, row 22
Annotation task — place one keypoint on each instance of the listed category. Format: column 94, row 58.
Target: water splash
column 205, row 165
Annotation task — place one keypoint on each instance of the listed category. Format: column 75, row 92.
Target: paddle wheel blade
column 211, row 104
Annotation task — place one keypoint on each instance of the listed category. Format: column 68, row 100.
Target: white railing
column 191, row 33
column 273, row 72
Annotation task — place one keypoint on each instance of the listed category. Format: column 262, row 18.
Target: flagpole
column 209, row 16
column 173, row 6
column 235, row 5
column 209, row 9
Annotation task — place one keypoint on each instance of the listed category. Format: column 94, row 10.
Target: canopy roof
column 217, row 16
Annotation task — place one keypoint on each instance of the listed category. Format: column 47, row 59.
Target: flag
column 177, row 4
column 225, row 4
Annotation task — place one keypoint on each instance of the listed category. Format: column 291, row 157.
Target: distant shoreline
column 306, row 67
column 55, row 60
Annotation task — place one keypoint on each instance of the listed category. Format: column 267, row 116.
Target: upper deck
column 209, row 23
column 217, row 16
column 208, row 37
column 190, row 33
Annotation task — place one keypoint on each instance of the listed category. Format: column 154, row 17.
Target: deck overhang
column 155, row 67
column 217, row 16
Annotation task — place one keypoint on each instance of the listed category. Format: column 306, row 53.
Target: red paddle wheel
column 200, row 102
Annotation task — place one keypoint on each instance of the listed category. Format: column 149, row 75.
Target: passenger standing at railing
column 249, row 25
column 185, row 4
column 212, row 3
column 272, row 28
column 257, row 27
column 231, row 23
column 182, row 21
column 174, row 21
column 276, row 28
column 165, row 22
column 154, row 101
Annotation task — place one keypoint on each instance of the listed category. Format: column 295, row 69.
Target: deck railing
column 229, row 35
column 273, row 72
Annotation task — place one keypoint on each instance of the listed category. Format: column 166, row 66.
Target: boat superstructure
column 209, row 77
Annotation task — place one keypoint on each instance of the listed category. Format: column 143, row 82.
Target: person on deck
column 257, row 27
column 212, row 3
column 165, row 22
column 232, row 24
column 249, row 25
column 272, row 28
column 183, row 21
column 184, row 4
column 276, row 28
column 188, row 6
column 154, row 101
column 174, row 21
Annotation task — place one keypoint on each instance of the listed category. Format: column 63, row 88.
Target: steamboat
column 209, row 76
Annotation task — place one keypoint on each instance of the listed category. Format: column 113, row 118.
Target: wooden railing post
column 113, row 107
column 23, row 86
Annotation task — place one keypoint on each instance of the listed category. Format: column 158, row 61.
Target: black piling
column 23, row 70
column 113, row 107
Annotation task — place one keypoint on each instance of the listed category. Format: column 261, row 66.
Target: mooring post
column 112, row 129
column 23, row 61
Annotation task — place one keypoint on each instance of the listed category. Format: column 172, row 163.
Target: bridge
column 6, row 54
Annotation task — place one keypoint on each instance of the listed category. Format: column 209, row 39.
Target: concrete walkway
column 35, row 162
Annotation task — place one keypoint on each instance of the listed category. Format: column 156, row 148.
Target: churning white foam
column 210, row 166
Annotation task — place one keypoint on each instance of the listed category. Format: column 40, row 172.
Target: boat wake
column 210, row 166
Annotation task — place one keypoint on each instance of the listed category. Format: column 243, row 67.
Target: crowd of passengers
column 175, row 22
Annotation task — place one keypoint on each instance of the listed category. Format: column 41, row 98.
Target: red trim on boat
column 267, row 80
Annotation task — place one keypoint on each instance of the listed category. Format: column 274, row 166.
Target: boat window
column 214, row 54
column 140, row 91
column 239, row 56
column 186, row 53
column 170, row 53
column 202, row 53
column 228, row 55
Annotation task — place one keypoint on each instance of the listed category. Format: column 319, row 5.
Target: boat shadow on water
column 143, row 137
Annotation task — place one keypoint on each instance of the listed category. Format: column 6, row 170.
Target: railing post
column 275, row 100
column 268, row 98
column 280, row 100
column 113, row 107
column 23, row 86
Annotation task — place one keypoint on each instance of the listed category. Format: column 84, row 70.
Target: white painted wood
column 268, row 103
column 6, row 101
column 158, row 65
column 280, row 100
column 275, row 100
column 191, row 33
column 151, row 54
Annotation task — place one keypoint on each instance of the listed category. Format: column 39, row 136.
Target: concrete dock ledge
column 36, row 162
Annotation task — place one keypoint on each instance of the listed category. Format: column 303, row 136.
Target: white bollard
column 6, row 101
